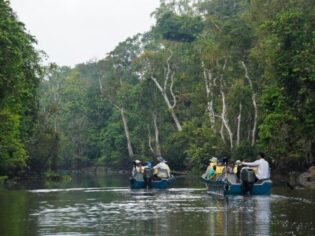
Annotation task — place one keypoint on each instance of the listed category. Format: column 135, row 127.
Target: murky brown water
column 106, row 206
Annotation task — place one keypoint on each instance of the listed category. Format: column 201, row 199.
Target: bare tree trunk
column 157, row 150
column 239, row 125
column 222, row 131
column 209, row 93
column 224, row 110
column 164, row 93
column 225, row 120
column 253, row 141
column 127, row 133
column 157, row 139
column 150, row 142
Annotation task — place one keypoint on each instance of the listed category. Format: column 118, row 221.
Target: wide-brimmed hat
column 137, row 161
column 213, row 160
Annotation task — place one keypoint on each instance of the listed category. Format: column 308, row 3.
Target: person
column 212, row 172
column 211, row 169
column 163, row 170
column 137, row 167
column 262, row 165
column 238, row 169
column 148, row 174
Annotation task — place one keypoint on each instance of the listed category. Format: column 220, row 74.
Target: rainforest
column 223, row 78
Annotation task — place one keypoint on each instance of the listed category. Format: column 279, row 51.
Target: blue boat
column 138, row 182
column 230, row 184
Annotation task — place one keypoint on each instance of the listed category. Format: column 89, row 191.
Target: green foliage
column 241, row 54
column 13, row 154
column 182, row 28
column 19, row 78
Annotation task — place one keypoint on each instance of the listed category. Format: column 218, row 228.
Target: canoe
column 138, row 183
column 229, row 184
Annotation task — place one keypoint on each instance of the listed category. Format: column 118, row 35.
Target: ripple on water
column 134, row 206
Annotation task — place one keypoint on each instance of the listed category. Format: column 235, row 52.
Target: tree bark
column 253, row 140
column 157, row 139
column 149, row 141
column 239, row 125
column 127, row 133
column 224, row 109
column 157, row 151
column 164, row 92
column 209, row 93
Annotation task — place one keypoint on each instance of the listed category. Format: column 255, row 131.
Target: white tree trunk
column 150, row 142
column 157, row 150
column 222, row 131
column 164, row 92
column 253, row 141
column 157, row 139
column 224, row 109
column 225, row 120
column 209, row 93
column 127, row 133
column 239, row 125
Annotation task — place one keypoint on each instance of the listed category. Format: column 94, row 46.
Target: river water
column 105, row 205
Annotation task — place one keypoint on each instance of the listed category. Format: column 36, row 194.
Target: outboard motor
column 147, row 176
column 248, row 180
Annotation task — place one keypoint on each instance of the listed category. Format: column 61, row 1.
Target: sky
column 77, row 31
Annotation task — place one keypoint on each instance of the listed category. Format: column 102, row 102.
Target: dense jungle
column 223, row 78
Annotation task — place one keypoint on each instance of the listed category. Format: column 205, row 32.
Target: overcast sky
column 76, row 31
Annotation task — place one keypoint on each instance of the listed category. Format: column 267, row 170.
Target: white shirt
column 262, row 168
column 163, row 166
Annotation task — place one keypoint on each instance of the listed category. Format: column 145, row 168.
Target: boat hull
column 157, row 184
column 224, row 187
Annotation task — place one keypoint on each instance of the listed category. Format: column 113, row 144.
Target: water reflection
column 116, row 210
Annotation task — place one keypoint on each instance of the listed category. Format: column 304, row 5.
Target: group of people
column 159, row 171
column 261, row 165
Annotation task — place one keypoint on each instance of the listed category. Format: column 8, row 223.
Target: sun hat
column 214, row 160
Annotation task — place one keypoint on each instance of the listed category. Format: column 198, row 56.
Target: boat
column 229, row 184
column 138, row 182
column 157, row 184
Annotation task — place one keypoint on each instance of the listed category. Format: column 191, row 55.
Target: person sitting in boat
column 262, row 165
column 162, row 170
column 137, row 167
column 239, row 167
column 147, row 174
column 211, row 169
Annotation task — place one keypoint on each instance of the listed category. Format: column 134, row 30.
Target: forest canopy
column 224, row 78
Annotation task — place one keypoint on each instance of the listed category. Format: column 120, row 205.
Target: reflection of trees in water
column 240, row 215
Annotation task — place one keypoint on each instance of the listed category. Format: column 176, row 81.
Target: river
column 104, row 205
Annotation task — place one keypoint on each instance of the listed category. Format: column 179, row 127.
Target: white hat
column 214, row 160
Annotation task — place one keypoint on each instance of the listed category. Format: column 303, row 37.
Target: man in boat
column 162, row 170
column 262, row 165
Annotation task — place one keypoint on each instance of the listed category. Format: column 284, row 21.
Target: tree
column 20, row 74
